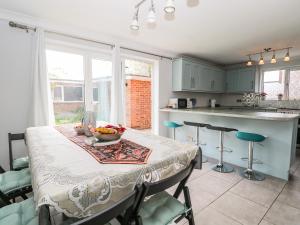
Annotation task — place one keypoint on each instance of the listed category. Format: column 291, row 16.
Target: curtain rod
column 27, row 28
column 148, row 53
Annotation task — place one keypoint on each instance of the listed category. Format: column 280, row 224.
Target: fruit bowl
column 108, row 133
column 79, row 129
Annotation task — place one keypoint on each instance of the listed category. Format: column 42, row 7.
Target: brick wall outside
column 138, row 97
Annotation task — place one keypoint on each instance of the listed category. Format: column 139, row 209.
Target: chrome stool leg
column 174, row 131
column 249, row 173
column 221, row 167
column 204, row 159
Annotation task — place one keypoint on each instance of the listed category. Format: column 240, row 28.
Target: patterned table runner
column 124, row 152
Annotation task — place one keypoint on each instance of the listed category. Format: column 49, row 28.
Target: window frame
column 286, row 77
column 88, row 54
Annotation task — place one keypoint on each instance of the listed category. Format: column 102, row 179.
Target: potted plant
column 280, row 96
column 263, row 96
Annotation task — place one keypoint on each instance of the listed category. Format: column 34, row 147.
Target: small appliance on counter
column 213, row 103
column 181, row 103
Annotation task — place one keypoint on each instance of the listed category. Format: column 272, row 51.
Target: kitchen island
column 277, row 152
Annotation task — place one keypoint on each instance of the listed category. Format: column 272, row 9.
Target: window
column 73, row 94
column 138, row 68
column 274, row 83
column 102, row 79
column 73, row 89
column 294, row 84
column 285, row 82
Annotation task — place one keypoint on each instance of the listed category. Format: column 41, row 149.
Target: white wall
column 15, row 66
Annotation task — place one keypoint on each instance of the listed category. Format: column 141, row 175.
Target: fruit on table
column 105, row 130
column 120, row 129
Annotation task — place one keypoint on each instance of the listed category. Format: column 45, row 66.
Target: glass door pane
column 102, row 80
column 66, row 75
column 138, row 94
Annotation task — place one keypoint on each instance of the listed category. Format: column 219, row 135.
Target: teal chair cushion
column 13, row 180
column 172, row 124
column 250, row 136
column 22, row 213
column 21, row 163
column 161, row 209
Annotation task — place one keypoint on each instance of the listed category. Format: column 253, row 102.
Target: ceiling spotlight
column 261, row 60
column 135, row 22
column 151, row 15
column 170, row 6
column 273, row 60
column 249, row 63
column 287, row 56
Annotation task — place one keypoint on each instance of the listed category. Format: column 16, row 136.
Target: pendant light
column 151, row 14
column 249, row 63
column 287, row 56
column 273, row 60
column 135, row 22
column 261, row 60
column 169, row 7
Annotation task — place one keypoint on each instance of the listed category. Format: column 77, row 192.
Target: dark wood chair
column 14, row 184
column 19, row 163
column 162, row 208
column 124, row 207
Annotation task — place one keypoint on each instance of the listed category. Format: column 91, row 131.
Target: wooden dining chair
column 124, row 207
column 162, row 208
column 14, row 184
column 19, row 163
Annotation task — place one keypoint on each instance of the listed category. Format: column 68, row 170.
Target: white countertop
column 239, row 113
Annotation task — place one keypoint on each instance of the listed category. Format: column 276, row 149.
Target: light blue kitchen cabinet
column 197, row 77
column 240, row 80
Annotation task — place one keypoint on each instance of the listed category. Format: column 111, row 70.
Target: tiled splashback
column 232, row 100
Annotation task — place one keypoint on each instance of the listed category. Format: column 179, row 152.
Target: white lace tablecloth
column 68, row 178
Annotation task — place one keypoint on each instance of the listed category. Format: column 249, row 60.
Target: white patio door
column 80, row 80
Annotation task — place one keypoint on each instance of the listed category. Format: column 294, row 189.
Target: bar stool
column 221, row 167
column 198, row 126
column 174, row 125
column 249, row 173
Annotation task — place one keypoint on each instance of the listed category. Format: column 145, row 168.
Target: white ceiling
column 222, row 31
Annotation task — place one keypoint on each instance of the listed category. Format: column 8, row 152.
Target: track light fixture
column 267, row 51
column 135, row 22
column 261, row 60
column 287, row 56
column 273, row 60
column 249, row 63
column 169, row 8
column 151, row 14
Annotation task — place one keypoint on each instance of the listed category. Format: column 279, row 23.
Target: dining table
column 69, row 178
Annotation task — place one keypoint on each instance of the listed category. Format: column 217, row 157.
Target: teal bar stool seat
column 249, row 173
column 22, row 213
column 173, row 125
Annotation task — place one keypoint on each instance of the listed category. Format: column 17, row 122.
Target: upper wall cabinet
column 197, row 77
column 240, row 80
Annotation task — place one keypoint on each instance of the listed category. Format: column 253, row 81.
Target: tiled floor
column 228, row 199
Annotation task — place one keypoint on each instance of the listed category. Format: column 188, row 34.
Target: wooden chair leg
column 187, row 198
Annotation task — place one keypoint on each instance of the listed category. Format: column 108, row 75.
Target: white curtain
column 42, row 107
column 117, row 114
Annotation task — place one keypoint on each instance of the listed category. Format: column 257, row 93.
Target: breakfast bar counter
column 277, row 152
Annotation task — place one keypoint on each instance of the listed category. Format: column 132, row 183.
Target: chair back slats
column 111, row 213
column 164, row 184
column 159, row 186
column 11, row 138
